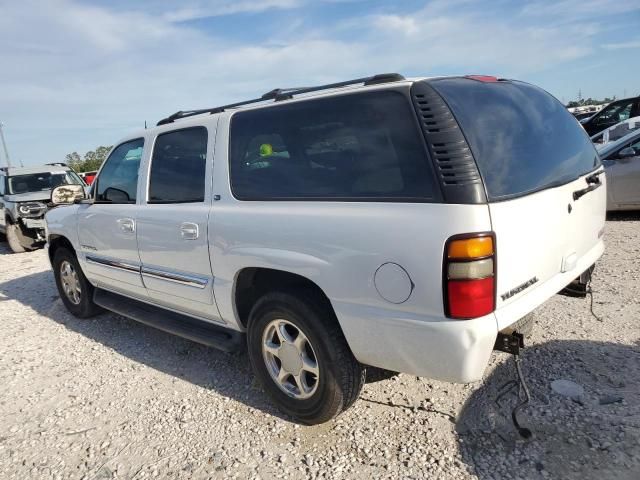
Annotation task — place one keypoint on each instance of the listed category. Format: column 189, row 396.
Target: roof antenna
column 145, row 124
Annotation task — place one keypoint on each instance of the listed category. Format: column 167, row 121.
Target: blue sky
column 75, row 75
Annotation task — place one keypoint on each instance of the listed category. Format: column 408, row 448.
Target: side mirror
column 67, row 194
column 627, row 153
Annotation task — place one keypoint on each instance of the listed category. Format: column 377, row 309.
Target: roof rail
column 279, row 94
column 58, row 164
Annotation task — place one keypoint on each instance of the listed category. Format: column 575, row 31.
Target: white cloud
column 622, row 45
column 217, row 8
column 396, row 24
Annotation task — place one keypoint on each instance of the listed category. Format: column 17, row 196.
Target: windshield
column 522, row 138
column 37, row 182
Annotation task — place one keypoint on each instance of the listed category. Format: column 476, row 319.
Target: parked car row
column 611, row 115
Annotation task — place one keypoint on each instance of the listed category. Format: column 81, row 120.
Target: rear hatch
column 546, row 205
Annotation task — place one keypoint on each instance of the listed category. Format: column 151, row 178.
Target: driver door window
column 118, row 179
column 615, row 113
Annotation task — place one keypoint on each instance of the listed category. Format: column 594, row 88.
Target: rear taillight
column 469, row 274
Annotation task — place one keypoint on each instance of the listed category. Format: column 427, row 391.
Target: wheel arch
column 251, row 283
column 56, row 242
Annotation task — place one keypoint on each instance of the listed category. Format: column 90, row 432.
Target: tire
column 17, row 240
column 84, row 306
column 339, row 378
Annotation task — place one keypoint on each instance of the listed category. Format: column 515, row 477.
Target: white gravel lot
column 110, row 398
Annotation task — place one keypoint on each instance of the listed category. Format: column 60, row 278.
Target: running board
column 182, row 325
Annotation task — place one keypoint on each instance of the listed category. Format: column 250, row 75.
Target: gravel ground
column 110, row 398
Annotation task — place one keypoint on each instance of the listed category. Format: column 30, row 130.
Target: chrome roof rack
column 279, row 94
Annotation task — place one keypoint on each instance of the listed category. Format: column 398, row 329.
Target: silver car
column 621, row 160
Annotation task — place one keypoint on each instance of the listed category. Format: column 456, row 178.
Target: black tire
column 18, row 241
column 85, row 308
column 341, row 377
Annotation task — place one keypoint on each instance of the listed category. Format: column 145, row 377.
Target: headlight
column 32, row 209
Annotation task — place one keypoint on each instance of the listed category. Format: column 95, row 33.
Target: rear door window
column 178, row 166
column 522, row 138
column 351, row 147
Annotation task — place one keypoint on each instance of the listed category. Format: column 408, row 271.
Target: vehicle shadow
column 228, row 374
column 624, row 216
column 593, row 435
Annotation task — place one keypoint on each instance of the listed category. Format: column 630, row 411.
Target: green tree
column 73, row 160
column 92, row 160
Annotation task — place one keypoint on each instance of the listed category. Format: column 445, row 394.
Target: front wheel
column 301, row 357
column 18, row 241
column 75, row 290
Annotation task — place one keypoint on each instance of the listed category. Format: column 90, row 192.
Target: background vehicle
column 616, row 132
column 621, row 160
column 88, row 177
column 343, row 226
column 612, row 114
column 24, row 199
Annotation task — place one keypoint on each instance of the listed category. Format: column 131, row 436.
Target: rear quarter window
column 358, row 147
column 522, row 138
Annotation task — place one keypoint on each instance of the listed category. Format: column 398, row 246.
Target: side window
column 352, row 147
column 178, row 167
column 615, row 113
column 118, row 179
column 2, row 185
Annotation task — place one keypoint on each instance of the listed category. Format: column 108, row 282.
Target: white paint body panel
column 339, row 246
column 536, row 236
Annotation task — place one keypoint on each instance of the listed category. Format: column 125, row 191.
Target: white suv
column 383, row 222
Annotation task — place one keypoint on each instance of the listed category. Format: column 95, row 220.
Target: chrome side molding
column 181, row 278
column 105, row 262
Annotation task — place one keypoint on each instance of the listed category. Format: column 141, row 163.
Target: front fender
column 63, row 221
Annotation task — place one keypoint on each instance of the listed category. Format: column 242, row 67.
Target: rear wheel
column 75, row 290
column 18, row 241
column 301, row 357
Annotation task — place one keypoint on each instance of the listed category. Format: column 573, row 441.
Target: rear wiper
column 595, row 183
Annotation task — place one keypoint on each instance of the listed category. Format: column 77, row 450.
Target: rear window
column 348, row 147
column 178, row 167
column 522, row 138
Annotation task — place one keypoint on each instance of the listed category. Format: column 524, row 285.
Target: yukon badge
column 519, row 288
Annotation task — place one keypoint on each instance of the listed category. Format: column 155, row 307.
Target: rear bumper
column 449, row 350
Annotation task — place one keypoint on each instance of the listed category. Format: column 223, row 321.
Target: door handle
column 189, row 231
column 127, row 225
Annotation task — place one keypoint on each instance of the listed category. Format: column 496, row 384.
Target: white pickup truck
column 387, row 222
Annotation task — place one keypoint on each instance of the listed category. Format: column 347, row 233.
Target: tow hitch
column 512, row 343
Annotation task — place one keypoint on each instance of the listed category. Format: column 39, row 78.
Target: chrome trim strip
column 105, row 262
column 181, row 278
